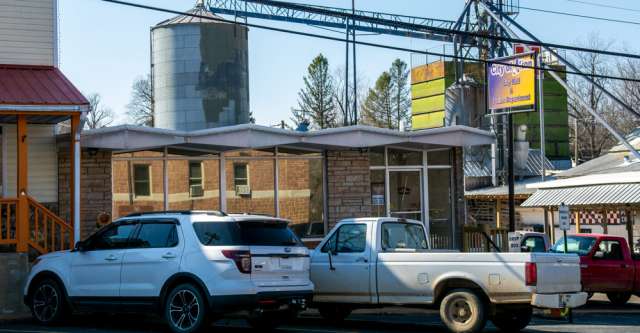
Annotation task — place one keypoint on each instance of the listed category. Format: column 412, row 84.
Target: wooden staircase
column 46, row 231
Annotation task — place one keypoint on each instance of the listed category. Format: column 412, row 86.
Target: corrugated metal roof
column 520, row 189
column 37, row 85
column 481, row 168
column 205, row 16
column 591, row 195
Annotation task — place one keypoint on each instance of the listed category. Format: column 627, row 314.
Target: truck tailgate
column 557, row 273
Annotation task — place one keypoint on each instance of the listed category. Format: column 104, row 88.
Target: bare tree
column 140, row 107
column 592, row 138
column 345, row 114
column 98, row 115
column 629, row 92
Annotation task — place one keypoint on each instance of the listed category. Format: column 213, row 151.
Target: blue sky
column 104, row 47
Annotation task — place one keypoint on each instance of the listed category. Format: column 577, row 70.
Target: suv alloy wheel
column 47, row 302
column 185, row 309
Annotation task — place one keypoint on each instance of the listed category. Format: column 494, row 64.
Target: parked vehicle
column 373, row 262
column 528, row 241
column 189, row 267
column 607, row 265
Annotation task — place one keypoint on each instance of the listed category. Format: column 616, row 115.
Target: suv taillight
column 241, row 258
column 531, row 273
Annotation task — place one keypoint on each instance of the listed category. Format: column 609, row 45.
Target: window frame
column 134, row 181
column 200, row 179
column 235, row 178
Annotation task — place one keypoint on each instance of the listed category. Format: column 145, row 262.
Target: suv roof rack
column 180, row 212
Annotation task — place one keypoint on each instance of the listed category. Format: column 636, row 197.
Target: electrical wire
column 383, row 46
column 605, row 6
column 579, row 15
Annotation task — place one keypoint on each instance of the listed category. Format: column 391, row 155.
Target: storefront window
column 404, row 157
column 440, row 217
column 376, row 156
column 378, row 203
column 439, row 157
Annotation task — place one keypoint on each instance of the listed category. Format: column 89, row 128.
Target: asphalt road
column 597, row 317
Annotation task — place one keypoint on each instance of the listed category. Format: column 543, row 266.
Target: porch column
column 75, row 179
column 22, row 218
column 577, row 215
column 629, row 216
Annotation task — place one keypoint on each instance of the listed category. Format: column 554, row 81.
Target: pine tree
column 378, row 109
column 315, row 100
column 400, row 93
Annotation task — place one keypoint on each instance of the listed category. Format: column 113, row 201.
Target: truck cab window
column 349, row 238
column 611, row 250
column 403, row 236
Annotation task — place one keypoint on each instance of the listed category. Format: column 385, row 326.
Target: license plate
column 286, row 264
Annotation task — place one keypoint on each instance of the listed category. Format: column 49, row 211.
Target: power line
column 426, row 28
column 580, row 15
column 383, row 46
column 605, row 6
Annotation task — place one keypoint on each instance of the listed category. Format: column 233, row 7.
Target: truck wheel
column 462, row 311
column 334, row 313
column 48, row 305
column 513, row 320
column 618, row 298
column 185, row 309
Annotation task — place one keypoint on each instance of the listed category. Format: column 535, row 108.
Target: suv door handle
column 168, row 255
column 362, row 259
column 111, row 257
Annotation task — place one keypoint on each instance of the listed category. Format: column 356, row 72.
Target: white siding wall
column 28, row 32
column 43, row 162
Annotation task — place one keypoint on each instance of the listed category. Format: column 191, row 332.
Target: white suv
column 191, row 267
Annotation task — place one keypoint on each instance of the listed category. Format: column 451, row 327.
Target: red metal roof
column 37, row 85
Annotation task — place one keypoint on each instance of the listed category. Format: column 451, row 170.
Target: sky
column 104, row 47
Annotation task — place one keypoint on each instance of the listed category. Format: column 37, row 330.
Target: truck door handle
column 111, row 257
column 624, row 265
column 168, row 255
column 362, row 259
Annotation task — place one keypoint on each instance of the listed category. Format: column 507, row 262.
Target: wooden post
column 629, row 217
column 605, row 222
column 553, row 227
column 75, row 123
column 22, row 222
column 498, row 213
column 577, row 217
column 546, row 222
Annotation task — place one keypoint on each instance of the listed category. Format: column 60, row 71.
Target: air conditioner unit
column 196, row 191
column 243, row 190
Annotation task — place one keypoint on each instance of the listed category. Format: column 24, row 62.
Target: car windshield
column 257, row 233
column 575, row 244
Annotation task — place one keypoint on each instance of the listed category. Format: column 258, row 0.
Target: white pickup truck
column 374, row 262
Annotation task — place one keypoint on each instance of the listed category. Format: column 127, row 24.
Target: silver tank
column 200, row 73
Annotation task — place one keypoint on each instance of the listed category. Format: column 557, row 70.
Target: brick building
column 313, row 179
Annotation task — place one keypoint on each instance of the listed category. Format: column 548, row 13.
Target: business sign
column 512, row 81
column 565, row 221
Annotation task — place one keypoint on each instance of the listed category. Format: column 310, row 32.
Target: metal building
column 199, row 71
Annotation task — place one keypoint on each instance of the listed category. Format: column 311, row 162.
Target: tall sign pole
column 510, row 173
column 543, row 154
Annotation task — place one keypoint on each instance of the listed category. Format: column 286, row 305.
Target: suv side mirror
column 598, row 255
column 81, row 246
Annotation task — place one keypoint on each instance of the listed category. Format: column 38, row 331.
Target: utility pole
column 346, row 120
column 543, row 154
column 355, row 74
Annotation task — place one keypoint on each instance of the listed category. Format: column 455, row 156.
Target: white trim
column 41, row 108
column 165, row 180
column 76, row 184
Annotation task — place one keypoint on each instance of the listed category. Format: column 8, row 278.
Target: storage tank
column 199, row 70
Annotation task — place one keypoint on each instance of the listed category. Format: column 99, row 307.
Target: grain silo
column 199, row 71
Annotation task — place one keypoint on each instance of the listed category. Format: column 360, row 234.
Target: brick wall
column 95, row 186
column 349, row 185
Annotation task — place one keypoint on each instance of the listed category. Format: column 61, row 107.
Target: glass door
column 405, row 194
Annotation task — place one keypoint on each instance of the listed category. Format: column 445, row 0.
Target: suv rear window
column 254, row 233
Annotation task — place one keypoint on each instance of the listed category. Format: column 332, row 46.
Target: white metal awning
column 593, row 190
column 250, row 136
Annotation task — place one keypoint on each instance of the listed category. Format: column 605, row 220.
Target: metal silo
column 200, row 72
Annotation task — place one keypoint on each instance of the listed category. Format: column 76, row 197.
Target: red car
column 607, row 265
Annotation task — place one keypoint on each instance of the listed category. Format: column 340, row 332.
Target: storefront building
column 313, row 179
